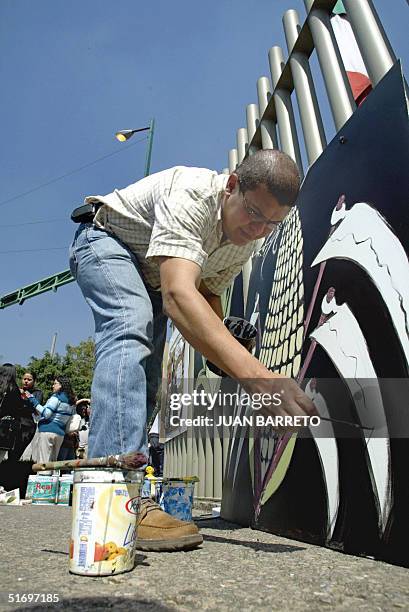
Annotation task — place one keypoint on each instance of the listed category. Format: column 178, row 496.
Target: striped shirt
column 174, row 213
column 55, row 413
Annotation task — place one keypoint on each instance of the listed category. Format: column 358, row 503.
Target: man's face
column 250, row 216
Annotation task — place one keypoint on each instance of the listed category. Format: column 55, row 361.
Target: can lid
column 107, row 475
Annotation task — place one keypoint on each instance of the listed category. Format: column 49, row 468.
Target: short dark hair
column 274, row 169
column 32, row 374
column 66, row 387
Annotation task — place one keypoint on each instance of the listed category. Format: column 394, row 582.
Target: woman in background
column 84, row 410
column 54, row 416
column 16, row 422
column 29, row 380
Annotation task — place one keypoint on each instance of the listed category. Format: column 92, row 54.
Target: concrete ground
column 236, row 568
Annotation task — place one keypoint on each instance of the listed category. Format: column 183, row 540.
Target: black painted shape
column 369, row 166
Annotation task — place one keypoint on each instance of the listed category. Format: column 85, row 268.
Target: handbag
column 73, row 424
column 9, row 429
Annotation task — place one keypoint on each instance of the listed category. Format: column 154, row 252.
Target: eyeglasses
column 257, row 217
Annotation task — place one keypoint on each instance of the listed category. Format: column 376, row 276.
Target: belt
column 85, row 213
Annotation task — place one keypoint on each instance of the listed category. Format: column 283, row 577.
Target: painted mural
column 329, row 294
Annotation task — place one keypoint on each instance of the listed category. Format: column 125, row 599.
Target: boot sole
column 183, row 543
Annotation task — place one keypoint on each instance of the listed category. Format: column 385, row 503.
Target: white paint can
column 105, row 508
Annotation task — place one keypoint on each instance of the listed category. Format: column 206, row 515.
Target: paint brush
column 127, row 461
column 346, row 423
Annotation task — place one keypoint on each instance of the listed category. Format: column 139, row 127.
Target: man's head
column 258, row 195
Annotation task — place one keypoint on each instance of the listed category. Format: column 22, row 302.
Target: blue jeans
column 130, row 332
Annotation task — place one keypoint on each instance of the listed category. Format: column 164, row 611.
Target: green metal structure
column 52, row 283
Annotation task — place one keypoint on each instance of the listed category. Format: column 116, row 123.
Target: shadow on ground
column 257, row 546
column 209, row 522
column 96, row 604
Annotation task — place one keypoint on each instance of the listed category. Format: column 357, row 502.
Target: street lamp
column 124, row 135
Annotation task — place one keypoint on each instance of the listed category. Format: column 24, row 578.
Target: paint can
column 177, row 497
column 105, row 508
column 44, row 489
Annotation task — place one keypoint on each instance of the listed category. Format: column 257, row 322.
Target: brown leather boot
column 158, row 531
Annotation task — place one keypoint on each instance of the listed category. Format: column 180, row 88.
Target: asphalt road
column 236, row 568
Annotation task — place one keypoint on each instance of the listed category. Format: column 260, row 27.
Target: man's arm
column 203, row 329
column 212, row 299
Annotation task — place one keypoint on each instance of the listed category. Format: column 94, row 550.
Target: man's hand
column 288, row 399
column 203, row 329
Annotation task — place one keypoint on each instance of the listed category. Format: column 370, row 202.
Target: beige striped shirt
column 175, row 213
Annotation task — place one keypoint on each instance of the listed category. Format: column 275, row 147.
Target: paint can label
column 104, row 524
column 44, row 489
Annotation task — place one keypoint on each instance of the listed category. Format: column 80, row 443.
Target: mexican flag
column 351, row 56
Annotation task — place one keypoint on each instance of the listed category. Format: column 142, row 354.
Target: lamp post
column 124, row 135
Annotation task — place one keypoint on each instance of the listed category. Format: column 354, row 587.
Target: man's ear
column 231, row 183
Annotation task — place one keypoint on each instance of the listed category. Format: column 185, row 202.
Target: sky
column 72, row 74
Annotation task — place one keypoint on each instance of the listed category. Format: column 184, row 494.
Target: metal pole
column 242, row 144
column 372, row 41
column 149, row 149
column 313, row 129
column 284, row 110
column 53, row 343
column 233, row 160
column 268, row 130
column 253, row 119
column 336, row 81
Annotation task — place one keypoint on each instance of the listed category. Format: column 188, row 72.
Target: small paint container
column 105, row 508
column 44, row 489
column 32, row 479
column 177, row 496
column 65, row 485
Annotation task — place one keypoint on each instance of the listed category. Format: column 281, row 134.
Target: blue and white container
column 65, row 485
column 45, row 490
column 177, row 496
column 30, row 486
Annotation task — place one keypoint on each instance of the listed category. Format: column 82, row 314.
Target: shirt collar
column 221, row 186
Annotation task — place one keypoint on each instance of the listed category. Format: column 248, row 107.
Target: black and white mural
column 329, row 294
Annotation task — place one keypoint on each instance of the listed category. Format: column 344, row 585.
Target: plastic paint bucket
column 105, row 508
column 177, row 496
column 30, row 486
column 44, row 489
column 65, row 485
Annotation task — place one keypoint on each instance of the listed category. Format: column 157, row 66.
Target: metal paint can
column 105, row 508
column 177, row 496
